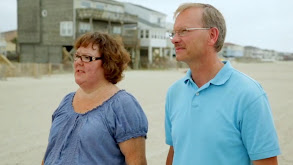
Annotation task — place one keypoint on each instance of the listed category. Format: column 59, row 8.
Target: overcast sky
column 267, row 24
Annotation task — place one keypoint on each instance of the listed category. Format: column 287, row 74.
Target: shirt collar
column 187, row 77
column 222, row 76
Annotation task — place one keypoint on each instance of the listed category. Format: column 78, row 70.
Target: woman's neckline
column 97, row 107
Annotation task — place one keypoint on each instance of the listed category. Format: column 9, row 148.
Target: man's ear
column 213, row 36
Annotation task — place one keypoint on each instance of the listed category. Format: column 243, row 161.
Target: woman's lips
column 79, row 71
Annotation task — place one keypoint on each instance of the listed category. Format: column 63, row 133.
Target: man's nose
column 175, row 38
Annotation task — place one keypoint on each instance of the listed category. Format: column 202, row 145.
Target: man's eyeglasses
column 183, row 32
column 85, row 58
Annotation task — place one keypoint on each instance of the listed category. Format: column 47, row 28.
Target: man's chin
column 178, row 58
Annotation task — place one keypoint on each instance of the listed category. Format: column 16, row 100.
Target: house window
column 159, row 20
column 66, row 28
column 100, row 6
column 167, row 34
column 84, row 27
column 154, row 34
column 116, row 29
column 147, row 34
column 86, row 4
column 141, row 34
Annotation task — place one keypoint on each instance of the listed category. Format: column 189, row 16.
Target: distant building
column 11, row 39
column 46, row 28
column 270, row 55
column 232, row 50
column 253, row 52
column 152, row 32
column 2, row 45
column 262, row 54
column 285, row 56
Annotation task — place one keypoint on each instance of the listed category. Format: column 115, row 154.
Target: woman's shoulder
column 125, row 99
column 64, row 105
column 123, row 94
column 122, row 104
column 67, row 100
column 69, row 96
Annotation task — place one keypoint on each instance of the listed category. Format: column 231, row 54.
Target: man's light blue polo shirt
column 228, row 121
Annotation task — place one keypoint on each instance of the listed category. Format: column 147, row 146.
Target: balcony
column 103, row 15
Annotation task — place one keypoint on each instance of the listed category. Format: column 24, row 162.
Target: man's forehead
column 191, row 17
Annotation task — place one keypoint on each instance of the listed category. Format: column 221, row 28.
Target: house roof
column 110, row 2
column 250, row 47
column 149, row 23
column 147, row 9
column 229, row 43
column 9, row 35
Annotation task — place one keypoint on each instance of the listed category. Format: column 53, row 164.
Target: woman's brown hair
column 114, row 56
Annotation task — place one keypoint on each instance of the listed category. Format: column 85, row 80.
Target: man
column 215, row 115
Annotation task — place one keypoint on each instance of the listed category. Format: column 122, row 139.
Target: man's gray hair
column 211, row 18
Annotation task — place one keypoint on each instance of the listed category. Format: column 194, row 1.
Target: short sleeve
column 129, row 119
column 168, row 126
column 258, row 130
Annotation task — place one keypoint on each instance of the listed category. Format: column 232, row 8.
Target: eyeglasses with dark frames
column 85, row 58
column 183, row 32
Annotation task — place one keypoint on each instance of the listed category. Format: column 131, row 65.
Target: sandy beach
column 26, row 106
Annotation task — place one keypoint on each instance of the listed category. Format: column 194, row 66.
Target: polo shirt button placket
column 195, row 103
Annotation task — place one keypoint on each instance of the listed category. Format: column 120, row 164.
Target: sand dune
column 26, row 106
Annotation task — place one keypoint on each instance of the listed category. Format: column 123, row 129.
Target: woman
column 99, row 123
